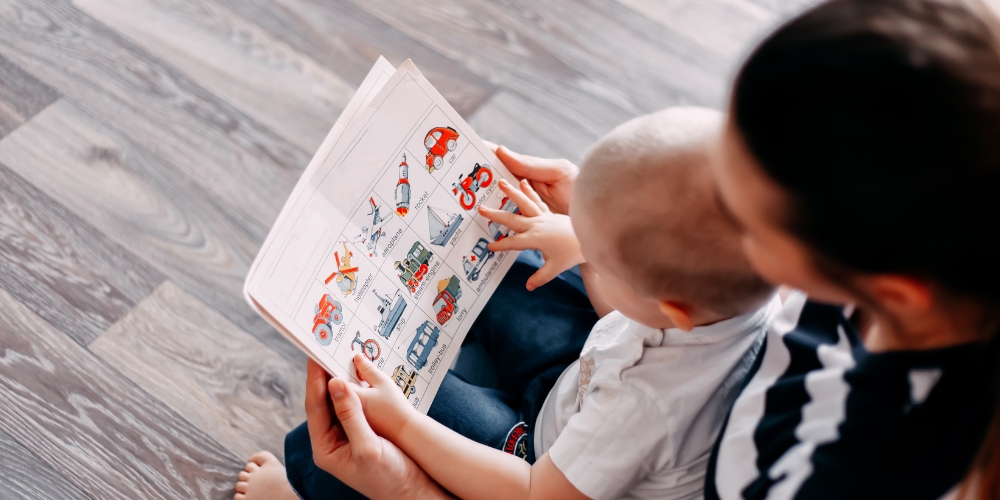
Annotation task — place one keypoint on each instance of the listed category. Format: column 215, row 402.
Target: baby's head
column 645, row 213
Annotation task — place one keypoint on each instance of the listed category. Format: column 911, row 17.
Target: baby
column 683, row 316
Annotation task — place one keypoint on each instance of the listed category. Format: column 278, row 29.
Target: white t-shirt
column 636, row 416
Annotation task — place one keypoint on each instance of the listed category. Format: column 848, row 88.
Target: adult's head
column 862, row 158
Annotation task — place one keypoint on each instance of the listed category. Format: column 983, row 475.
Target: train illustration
column 423, row 344
column 391, row 309
column 439, row 142
column 467, row 186
column 499, row 231
column 329, row 313
column 476, row 261
column 403, row 189
column 414, row 267
column 446, row 301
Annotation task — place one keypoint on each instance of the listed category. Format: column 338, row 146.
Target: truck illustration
column 329, row 312
column 414, row 267
column 423, row 344
column 403, row 189
column 442, row 224
column 499, row 231
column 345, row 275
column 467, row 187
column 370, row 234
column 439, row 142
column 391, row 309
column 474, row 263
column 407, row 381
column 449, row 291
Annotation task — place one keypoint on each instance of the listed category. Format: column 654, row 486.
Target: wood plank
column 146, row 205
column 591, row 62
column 235, row 60
column 25, row 476
column 726, row 27
column 21, row 96
column 61, row 267
column 347, row 40
column 244, row 163
column 215, row 376
column 94, row 427
column 527, row 128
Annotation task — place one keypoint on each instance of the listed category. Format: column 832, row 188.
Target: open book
column 380, row 249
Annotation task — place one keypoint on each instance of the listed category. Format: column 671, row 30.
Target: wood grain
column 21, row 96
column 215, row 376
column 347, row 40
column 25, row 476
column 94, row 427
column 235, row 60
column 243, row 163
column 61, row 267
column 146, row 205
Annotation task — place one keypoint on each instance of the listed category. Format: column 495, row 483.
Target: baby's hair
column 651, row 182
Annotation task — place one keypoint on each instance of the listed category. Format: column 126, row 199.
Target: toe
column 251, row 467
column 262, row 457
column 241, row 487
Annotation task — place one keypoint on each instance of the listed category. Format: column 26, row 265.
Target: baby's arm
column 465, row 468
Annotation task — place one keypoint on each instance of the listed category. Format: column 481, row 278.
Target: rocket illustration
column 403, row 189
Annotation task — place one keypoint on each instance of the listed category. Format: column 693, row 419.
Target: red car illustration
column 481, row 176
column 329, row 312
column 439, row 142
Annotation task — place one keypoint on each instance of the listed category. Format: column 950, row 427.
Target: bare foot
column 264, row 479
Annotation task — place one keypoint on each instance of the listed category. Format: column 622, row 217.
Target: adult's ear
column 679, row 314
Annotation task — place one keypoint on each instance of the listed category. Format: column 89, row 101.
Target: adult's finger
column 347, row 405
column 503, row 217
column 370, row 373
column 527, row 206
column 492, row 146
column 317, row 404
column 534, row 168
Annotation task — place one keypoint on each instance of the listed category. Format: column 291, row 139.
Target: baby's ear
column 679, row 314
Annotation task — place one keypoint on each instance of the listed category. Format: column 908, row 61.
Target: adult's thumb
column 347, row 406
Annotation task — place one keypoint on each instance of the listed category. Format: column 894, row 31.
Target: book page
column 381, row 250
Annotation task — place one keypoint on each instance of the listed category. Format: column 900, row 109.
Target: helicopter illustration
column 345, row 275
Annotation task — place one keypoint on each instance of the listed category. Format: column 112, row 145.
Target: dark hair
column 880, row 119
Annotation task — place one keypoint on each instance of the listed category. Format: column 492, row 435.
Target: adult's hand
column 346, row 446
column 551, row 178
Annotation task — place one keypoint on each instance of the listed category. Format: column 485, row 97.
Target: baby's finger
column 533, row 195
column 547, row 273
column 528, row 207
column 519, row 241
column 505, row 218
column 369, row 372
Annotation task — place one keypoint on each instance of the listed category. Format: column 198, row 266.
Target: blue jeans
column 531, row 337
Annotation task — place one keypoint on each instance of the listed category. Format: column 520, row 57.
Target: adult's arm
column 346, row 446
column 552, row 178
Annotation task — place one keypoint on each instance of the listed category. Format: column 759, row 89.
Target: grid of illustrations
column 399, row 281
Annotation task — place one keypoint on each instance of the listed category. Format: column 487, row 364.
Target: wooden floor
column 146, row 146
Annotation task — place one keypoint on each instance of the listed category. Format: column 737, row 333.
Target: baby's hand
column 538, row 229
column 385, row 406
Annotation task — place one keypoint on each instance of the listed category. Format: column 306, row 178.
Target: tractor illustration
column 391, row 309
column 466, row 187
column 414, row 267
column 449, row 291
column 474, row 263
column 439, row 142
column 345, row 275
column 423, row 344
column 407, row 381
column 329, row 312
column 499, row 231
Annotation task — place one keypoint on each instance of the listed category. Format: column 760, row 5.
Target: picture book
column 380, row 249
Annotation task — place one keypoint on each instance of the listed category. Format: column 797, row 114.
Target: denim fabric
column 531, row 337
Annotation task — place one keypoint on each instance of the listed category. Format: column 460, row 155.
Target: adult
column 862, row 159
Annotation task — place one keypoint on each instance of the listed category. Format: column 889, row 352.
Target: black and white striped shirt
column 821, row 417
